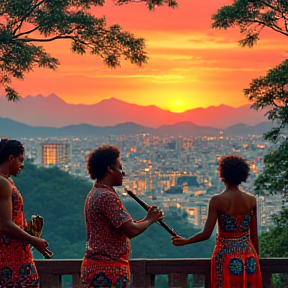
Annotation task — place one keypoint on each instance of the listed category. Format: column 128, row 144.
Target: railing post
column 198, row 280
column 208, row 280
column 140, row 278
column 177, row 280
column 76, row 283
column 50, row 281
column 267, row 279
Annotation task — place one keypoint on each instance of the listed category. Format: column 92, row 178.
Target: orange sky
column 190, row 64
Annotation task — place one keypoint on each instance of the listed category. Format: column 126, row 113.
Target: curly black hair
column 99, row 159
column 8, row 147
column 233, row 169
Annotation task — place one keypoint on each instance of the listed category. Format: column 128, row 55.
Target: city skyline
column 190, row 64
column 178, row 173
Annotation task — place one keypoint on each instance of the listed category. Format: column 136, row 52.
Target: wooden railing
column 145, row 270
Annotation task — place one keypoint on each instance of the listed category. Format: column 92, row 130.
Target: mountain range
column 52, row 111
column 13, row 129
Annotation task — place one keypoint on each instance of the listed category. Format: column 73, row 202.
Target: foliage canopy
column 26, row 23
column 251, row 16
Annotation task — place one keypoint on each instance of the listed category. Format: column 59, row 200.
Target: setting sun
column 177, row 106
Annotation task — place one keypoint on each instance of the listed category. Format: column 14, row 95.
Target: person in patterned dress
column 235, row 261
column 17, row 268
column 109, row 226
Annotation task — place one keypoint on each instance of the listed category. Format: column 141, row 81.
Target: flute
column 146, row 207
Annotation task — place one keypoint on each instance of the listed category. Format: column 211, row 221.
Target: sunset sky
column 190, row 64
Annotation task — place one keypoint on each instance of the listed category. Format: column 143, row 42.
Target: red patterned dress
column 235, row 263
column 17, row 268
column 108, row 249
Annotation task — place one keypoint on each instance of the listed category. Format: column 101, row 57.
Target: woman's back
column 235, row 262
column 235, row 212
column 236, row 202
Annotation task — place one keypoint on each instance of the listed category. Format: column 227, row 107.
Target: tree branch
column 48, row 40
column 286, row 25
column 24, row 33
column 270, row 6
column 57, row 37
column 275, row 28
column 26, row 15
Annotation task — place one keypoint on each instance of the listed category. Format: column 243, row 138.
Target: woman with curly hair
column 109, row 226
column 235, row 261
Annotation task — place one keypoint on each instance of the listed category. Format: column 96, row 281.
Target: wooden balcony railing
column 145, row 270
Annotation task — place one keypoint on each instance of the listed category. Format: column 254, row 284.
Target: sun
column 177, row 105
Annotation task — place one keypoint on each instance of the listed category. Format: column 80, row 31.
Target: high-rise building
column 54, row 153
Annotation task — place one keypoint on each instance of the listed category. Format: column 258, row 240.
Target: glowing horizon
column 177, row 109
column 190, row 64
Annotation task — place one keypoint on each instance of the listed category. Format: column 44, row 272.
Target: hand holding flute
column 147, row 207
column 154, row 214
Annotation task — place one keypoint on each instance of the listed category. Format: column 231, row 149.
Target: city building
column 56, row 153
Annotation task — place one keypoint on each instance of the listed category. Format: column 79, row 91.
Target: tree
column 271, row 91
column 268, row 92
column 26, row 23
column 274, row 244
column 251, row 16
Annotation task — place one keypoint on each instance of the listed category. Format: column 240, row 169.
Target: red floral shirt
column 104, row 215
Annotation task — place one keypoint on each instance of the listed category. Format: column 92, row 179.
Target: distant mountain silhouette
column 186, row 129
column 13, row 129
column 242, row 129
column 53, row 111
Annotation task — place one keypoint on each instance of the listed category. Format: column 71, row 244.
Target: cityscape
column 178, row 174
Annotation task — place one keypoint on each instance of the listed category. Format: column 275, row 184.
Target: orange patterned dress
column 17, row 268
column 235, row 263
column 108, row 249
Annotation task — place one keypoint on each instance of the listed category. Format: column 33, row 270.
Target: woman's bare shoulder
column 250, row 196
column 5, row 186
column 217, row 199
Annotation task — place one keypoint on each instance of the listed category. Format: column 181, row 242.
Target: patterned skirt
column 105, row 274
column 235, row 264
column 18, row 274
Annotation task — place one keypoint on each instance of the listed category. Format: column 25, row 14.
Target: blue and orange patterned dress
column 235, row 263
column 108, row 249
column 17, row 268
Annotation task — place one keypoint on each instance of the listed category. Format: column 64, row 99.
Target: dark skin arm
column 132, row 229
column 253, row 229
column 8, row 227
column 143, row 219
column 140, row 220
column 208, row 228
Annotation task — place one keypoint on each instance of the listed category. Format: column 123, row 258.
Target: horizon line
column 134, row 123
column 114, row 98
